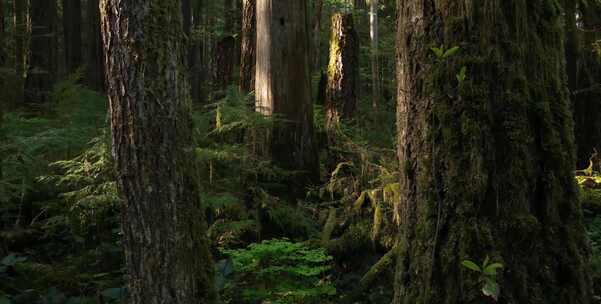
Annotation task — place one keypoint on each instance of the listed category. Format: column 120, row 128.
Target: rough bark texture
column 584, row 72
column 248, row 45
column 72, row 32
column 486, row 163
column 166, row 250
column 41, row 74
column 282, row 82
column 95, row 56
column 343, row 70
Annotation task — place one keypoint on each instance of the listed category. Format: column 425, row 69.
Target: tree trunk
column 317, row 35
column 486, row 158
column 166, row 250
column 191, row 15
column 2, row 36
column 584, row 73
column 282, row 84
column 248, row 45
column 375, row 65
column 41, row 74
column 343, row 70
column 72, row 32
column 224, row 52
column 20, row 11
column 95, row 60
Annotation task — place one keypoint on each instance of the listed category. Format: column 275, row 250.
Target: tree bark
column 375, row 65
column 191, row 15
column 166, row 250
column 224, row 52
column 72, row 32
column 487, row 159
column 20, row 25
column 282, row 84
column 95, row 56
column 41, row 74
column 343, row 70
column 317, row 35
column 248, row 45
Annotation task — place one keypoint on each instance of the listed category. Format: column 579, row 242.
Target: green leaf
column 462, row 74
column 491, row 269
column 486, row 260
column 471, row 265
column 450, row 52
column 439, row 52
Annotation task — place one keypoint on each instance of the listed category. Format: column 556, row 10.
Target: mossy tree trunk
column 41, row 74
column 166, row 250
column 583, row 53
column 248, row 45
column 94, row 54
column 282, row 84
column 343, row 69
column 487, row 159
column 72, row 31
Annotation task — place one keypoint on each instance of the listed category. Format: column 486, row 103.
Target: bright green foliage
column 280, row 271
column 488, row 276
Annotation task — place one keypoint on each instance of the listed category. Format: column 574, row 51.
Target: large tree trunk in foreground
column 282, row 83
column 41, row 74
column 72, row 32
column 343, row 70
column 166, row 250
column 248, row 45
column 487, row 159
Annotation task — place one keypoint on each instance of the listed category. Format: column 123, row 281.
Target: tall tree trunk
column 486, row 158
column 72, row 31
column 248, row 45
column 95, row 56
column 317, row 34
column 282, row 83
column 166, row 250
column 343, row 69
column 20, row 25
column 584, row 72
column 224, row 52
column 41, row 74
column 375, row 65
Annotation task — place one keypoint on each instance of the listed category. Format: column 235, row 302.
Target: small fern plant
column 487, row 276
